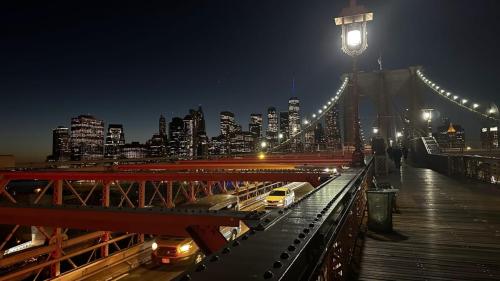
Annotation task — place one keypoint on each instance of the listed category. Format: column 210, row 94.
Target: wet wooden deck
column 447, row 230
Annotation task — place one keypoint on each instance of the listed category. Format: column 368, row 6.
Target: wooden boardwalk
column 447, row 230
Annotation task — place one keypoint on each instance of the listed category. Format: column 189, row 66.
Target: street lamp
column 375, row 130
column 427, row 116
column 353, row 20
column 263, row 144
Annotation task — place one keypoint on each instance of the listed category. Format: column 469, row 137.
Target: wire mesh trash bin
column 380, row 205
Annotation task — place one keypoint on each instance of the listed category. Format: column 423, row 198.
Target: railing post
column 142, row 198
column 224, row 187
column 105, row 204
column 209, row 187
column 57, row 199
column 170, row 201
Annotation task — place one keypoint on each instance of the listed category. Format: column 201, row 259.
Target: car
column 172, row 249
column 280, row 197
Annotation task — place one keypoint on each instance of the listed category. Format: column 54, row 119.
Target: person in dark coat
column 405, row 152
column 396, row 154
column 389, row 152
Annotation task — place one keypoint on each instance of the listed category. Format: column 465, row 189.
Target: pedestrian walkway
column 448, row 229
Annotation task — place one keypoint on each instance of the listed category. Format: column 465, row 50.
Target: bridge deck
column 447, row 230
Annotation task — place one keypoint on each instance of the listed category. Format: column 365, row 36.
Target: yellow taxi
column 280, row 197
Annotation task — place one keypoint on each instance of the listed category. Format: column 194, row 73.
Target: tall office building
column 162, row 128
column 450, row 135
column 489, row 138
column 196, row 133
column 272, row 126
column 135, row 150
column 309, row 141
column 187, row 149
column 332, row 130
column 319, row 137
column 115, row 140
column 87, row 138
column 293, row 116
column 227, row 123
column 156, row 146
column 175, row 136
column 284, row 125
column 242, row 143
column 199, row 120
column 60, row 144
column 255, row 126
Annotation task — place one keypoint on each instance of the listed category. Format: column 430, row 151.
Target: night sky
column 128, row 62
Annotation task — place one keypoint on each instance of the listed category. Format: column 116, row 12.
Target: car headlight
column 184, row 248
column 154, row 246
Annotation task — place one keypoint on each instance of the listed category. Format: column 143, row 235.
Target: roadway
column 149, row 271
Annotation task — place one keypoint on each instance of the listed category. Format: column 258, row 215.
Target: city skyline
column 185, row 138
column 70, row 62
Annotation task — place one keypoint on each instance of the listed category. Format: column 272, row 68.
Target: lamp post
column 427, row 116
column 353, row 20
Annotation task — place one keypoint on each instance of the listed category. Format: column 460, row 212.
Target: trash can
column 380, row 204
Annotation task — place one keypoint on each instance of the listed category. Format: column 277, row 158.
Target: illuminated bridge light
column 329, row 102
column 324, row 106
column 455, row 97
column 320, row 111
column 475, row 105
column 448, row 94
column 437, row 87
column 314, row 115
column 464, row 101
column 442, row 91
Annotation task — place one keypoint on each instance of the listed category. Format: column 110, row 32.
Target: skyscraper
column 284, row 123
column 450, row 135
column 332, row 130
column 227, row 123
column 163, row 127
column 293, row 116
column 135, row 150
column 489, row 138
column 115, row 140
column 242, row 142
column 60, row 144
column 255, row 126
column 187, row 149
column 87, row 138
column 175, row 135
column 156, row 146
column 319, row 137
column 272, row 126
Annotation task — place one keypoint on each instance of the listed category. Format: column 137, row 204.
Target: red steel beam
column 312, row 178
column 205, row 166
column 167, row 222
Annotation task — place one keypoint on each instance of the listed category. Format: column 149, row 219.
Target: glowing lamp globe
column 354, row 38
column 353, row 20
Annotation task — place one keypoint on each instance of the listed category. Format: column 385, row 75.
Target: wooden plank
column 447, row 230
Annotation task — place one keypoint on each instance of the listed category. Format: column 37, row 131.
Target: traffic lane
column 168, row 272
column 152, row 272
